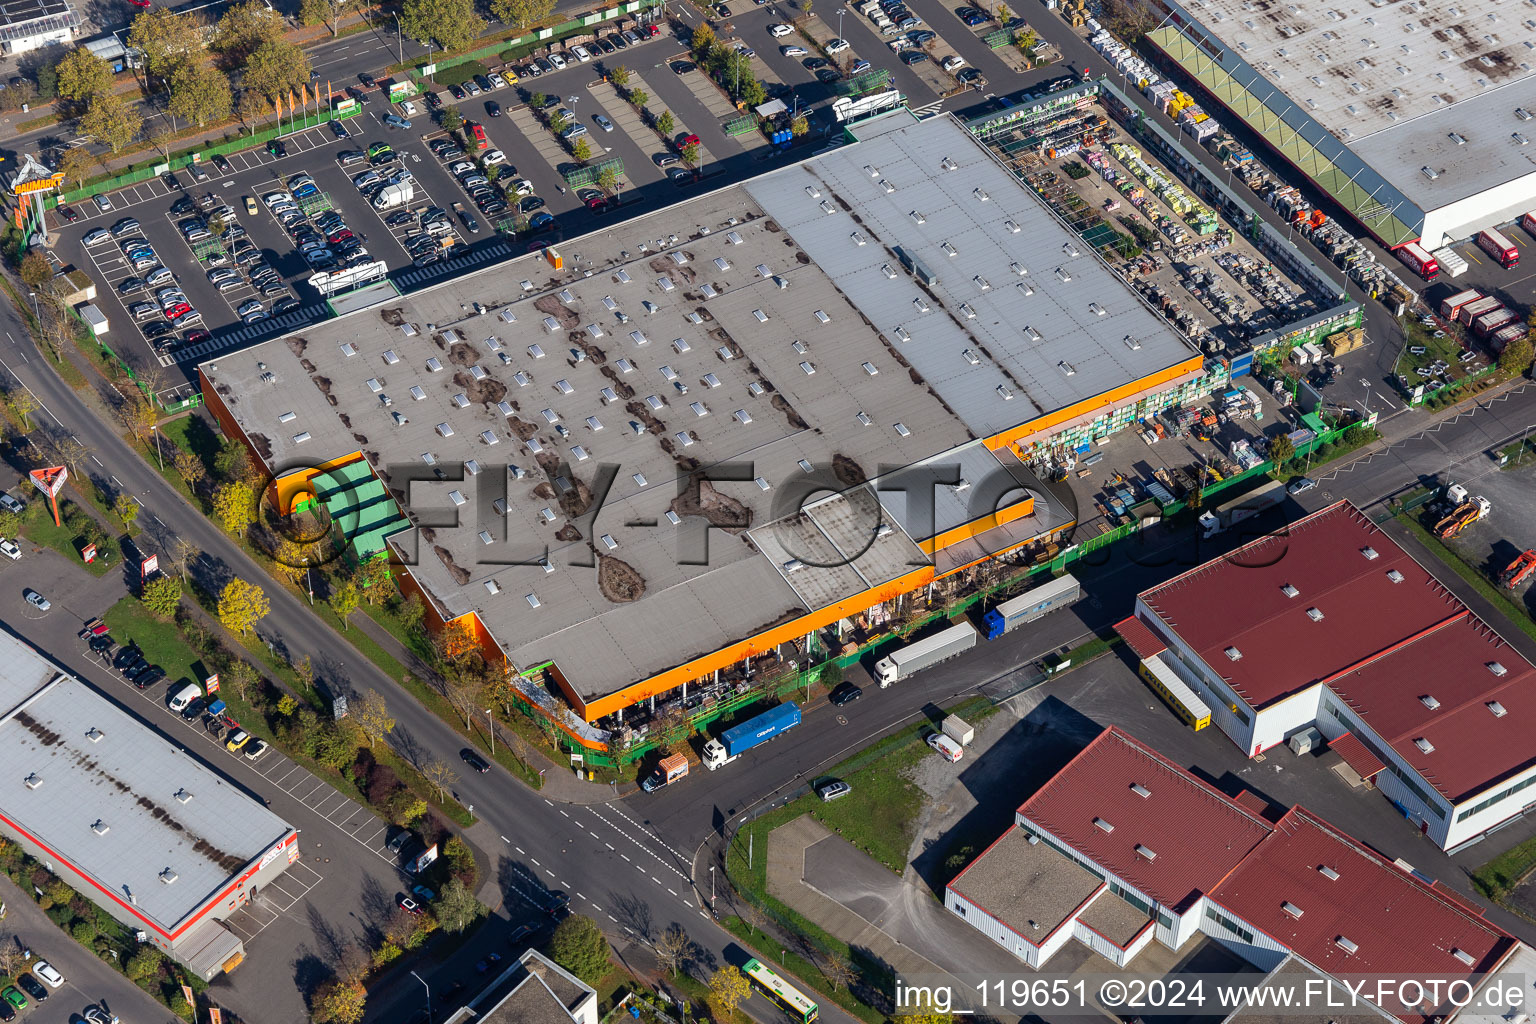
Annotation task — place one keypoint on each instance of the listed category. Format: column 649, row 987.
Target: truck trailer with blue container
column 753, row 732
column 1031, row 605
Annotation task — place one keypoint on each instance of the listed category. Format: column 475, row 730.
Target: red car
column 597, row 204
column 407, row 904
column 178, row 310
column 652, row 31
column 477, row 135
column 68, row 214
column 141, row 3
column 340, row 236
column 689, row 140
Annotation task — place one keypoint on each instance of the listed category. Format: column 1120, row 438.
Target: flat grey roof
column 1031, row 887
column 93, row 762
column 998, row 356
column 1115, row 919
column 1394, row 80
column 1292, row 975
column 705, row 337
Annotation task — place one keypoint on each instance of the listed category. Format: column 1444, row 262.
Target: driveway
column 87, row 979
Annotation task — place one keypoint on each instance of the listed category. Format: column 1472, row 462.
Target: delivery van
column 947, row 748
column 184, row 696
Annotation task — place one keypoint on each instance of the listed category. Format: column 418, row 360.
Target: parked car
column 602, row 122
column 833, row 790
column 846, row 693
column 37, row 600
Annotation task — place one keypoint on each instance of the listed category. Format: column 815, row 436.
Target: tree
column 183, row 552
column 457, row 641
column 456, row 907
column 242, row 605
column 68, row 452
column 275, row 68
column 1516, row 357
column 200, row 93
column 190, row 467
column 35, row 269
column 410, row 613
column 82, row 75
column 580, row 946
column 289, row 560
column 76, row 165
column 502, row 692
column 701, row 43
column 753, row 92
column 24, row 405
column 727, row 988
column 47, row 82
column 304, row 671
column 373, row 717
column 838, row 972
column 619, row 76
column 465, row 698
column 10, row 955
column 340, row 1002
column 287, row 705
column 799, row 126
column 317, row 12
column 167, row 39
column 538, row 101
column 452, row 119
column 451, row 24
column 144, row 964
column 522, row 14
column 666, row 124
column 1281, row 450
column 582, row 151
column 243, row 28
column 242, row 676
column 251, row 107
column 672, row 949
column 344, row 601
column 234, row 506
column 411, row 813
column 441, row 775
column 924, row 1012
column 126, row 509
column 690, row 154
column 111, row 120
column 638, row 97
column 162, row 596
column 607, row 178
column 140, row 418
column 558, row 122
column 373, row 578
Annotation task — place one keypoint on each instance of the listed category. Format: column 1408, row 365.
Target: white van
column 947, row 748
column 184, row 696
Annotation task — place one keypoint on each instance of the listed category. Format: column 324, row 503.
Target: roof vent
column 1315, row 614
column 1429, row 702
column 1457, row 138
column 183, row 795
column 1289, row 591
column 492, row 587
column 168, row 876
column 1369, row 553
column 100, row 827
column 1291, row 908
column 1497, row 669
column 1424, row 745
column 1497, row 709
column 1328, row 872
column 1463, row 956
column 1345, row 944
column 793, row 565
column 533, row 600
column 1394, row 576
column 1429, row 173
column 1140, row 790
column 1102, row 825
column 94, row 734
column 1145, row 852
column 1234, row 654
column 33, row 781
column 1034, row 840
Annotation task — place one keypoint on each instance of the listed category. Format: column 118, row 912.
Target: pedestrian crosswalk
column 418, row 277
column 247, row 334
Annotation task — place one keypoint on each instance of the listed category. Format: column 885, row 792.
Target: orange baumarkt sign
column 346, row 106
column 22, row 188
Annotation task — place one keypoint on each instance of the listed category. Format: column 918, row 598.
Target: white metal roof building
column 27, row 25
column 1416, row 116
column 158, row 840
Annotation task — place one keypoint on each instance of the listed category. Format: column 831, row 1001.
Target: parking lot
column 249, row 278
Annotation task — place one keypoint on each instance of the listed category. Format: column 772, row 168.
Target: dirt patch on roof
column 568, row 533
column 793, row 418
column 46, row 736
column 297, row 345
column 848, row 472
column 551, row 305
column 394, row 317
column 458, row 572
column 699, row 498
column 524, row 430
column 486, row 391
column 463, row 354
column 618, row 581
column 263, row 445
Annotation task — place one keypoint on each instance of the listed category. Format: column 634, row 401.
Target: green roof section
column 1345, row 188
column 360, row 506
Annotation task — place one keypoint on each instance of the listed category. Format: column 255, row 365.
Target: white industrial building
column 1332, row 625
column 1416, row 116
column 27, row 25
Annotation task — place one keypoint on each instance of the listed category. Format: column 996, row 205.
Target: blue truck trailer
column 751, row 733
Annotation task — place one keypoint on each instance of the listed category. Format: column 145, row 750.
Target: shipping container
column 1493, row 242
column 1451, row 306
column 1490, row 322
column 1506, row 334
column 1419, row 260
column 1477, row 308
column 1528, row 221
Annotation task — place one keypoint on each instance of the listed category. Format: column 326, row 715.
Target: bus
column 780, row 991
column 1179, row 697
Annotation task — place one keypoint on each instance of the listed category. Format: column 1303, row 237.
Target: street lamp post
column 307, row 584
column 492, row 723
column 711, row 887
column 429, row 994
column 35, row 314
column 400, row 45
column 158, row 453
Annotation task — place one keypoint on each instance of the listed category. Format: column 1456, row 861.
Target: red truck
column 1528, row 221
column 1506, row 334
column 1477, row 308
column 1493, row 242
column 1486, row 324
column 1451, row 306
column 1419, row 260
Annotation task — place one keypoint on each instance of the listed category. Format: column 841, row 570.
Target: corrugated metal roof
column 1396, row 923
column 1355, row 754
column 1195, row 833
column 1138, row 636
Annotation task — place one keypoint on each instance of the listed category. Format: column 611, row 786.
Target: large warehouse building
column 128, row 819
column 1332, row 624
column 678, row 444
column 1416, row 117
column 1122, row 848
